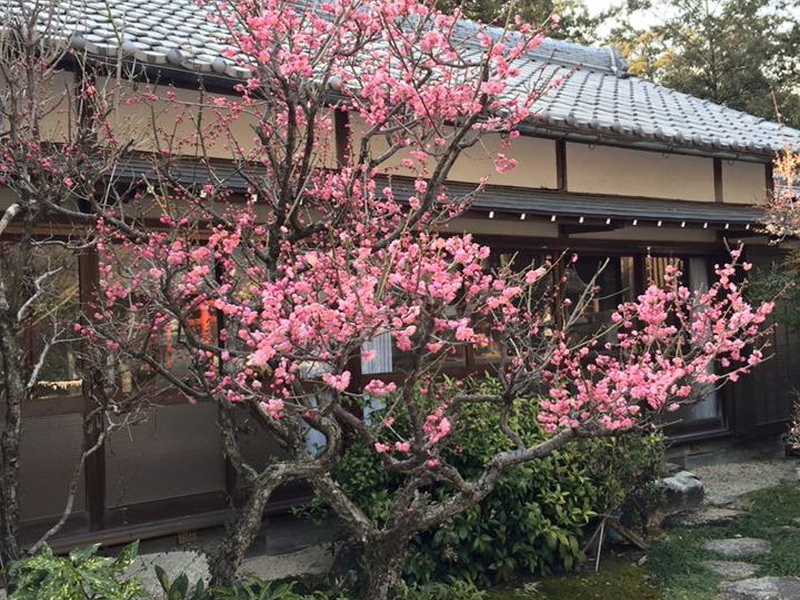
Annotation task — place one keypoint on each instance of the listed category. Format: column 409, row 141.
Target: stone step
column 761, row 588
column 709, row 515
column 731, row 570
column 738, row 547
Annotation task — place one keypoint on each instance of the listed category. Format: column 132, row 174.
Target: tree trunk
column 228, row 558
column 383, row 561
column 15, row 392
column 12, row 359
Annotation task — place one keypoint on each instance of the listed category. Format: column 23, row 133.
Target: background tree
column 575, row 22
column 58, row 153
column 740, row 53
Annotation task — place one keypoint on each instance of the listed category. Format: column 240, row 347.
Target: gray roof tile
column 596, row 98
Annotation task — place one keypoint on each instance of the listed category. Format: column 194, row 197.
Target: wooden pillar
column 341, row 121
column 561, row 165
column 640, row 274
column 95, row 466
column 769, row 179
column 719, row 195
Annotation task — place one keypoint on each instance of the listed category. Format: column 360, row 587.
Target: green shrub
column 80, row 575
column 534, row 519
column 792, row 440
column 625, row 469
column 257, row 589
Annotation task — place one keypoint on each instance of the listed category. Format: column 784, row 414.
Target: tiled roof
column 597, row 100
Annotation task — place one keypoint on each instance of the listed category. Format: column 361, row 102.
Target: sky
column 640, row 18
column 597, row 5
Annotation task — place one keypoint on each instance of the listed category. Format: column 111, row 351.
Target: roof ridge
column 564, row 53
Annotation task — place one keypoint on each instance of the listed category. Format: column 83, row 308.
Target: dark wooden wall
column 761, row 403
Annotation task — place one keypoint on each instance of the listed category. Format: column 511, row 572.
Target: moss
column 619, row 578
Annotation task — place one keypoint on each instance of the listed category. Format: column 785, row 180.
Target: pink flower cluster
column 436, row 426
column 672, row 345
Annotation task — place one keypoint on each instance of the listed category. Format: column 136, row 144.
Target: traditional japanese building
column 612, row 167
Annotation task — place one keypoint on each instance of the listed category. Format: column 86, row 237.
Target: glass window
column 594, row 287
column 166, row 342
column 657, row 268
column 51, row 271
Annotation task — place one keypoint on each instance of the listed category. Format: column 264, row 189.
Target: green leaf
column 126, row 556
column 80, row 555
column 163, row 578
column 181, row 585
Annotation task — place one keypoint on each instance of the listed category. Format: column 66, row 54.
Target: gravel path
column 724, row 483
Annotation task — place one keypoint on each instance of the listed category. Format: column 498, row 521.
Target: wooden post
column 561, row 165
column 341, row 121
column 718, row 185
column 95, row 466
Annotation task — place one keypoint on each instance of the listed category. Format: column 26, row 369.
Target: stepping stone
column 796, row 520
column 711, row 515
column 785, row 529
column 761, row 588
column 731, row 570
column 738, row 547
column 721, row 499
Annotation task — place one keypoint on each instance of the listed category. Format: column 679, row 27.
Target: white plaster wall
column 744, row 182
column 536, row 163
column 620, row 171
column 159, row 123
column 536, row 160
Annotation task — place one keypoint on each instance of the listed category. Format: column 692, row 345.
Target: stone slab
column 761, row 588
column 785, row 529
column 312, row 560
column 738, row 547
column 721, row 499
column 731, row 570
column 682, row 491
column 711, row 515
column 194, row 564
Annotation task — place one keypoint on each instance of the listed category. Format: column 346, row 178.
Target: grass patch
column 619, row 578
column 675, row 561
